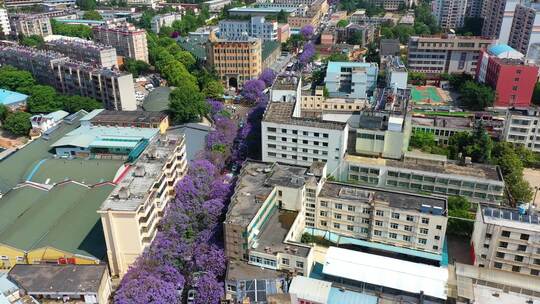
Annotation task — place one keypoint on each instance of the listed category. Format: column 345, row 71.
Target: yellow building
column 131, row 213
column 235, row 61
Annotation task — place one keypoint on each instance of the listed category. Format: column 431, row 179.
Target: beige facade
column 507, row 240
column 316, row 10
column 317, row 102
column 133, row 210
column 31, row 25
column 128, row 40
column 235, row 61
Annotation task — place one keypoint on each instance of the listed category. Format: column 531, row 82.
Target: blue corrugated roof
column 10, row 97
column 337, row 296
column 498, row 49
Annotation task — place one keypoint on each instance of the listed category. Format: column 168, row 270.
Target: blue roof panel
column 10, row 97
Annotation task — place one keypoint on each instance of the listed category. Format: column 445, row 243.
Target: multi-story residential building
column 283, row 32
column 360, row 17
column 235, row 61
column 525, row 29
column 521, row 127
column 266, row 218
column 215, row 6
column 498, row 16
column 315, row 101
column 351, row 79
column 434, row 55
column 83, row 50
column 160, row 21
column 442, row 127
column 316, row 9
column 113, row 88
column 450, row 14
column 396, row 72
column 131, row 213
column 391, row 217
column 507, row 239
column 505, row 70
column 151, row 3
column 29, row 25
column 21, row 3
column 474, row 8
column 291, row 138
column 256, row 27
column 430, row 173
column 5, row 27
column 354, row 34
column 393, row 5
column 128, row 40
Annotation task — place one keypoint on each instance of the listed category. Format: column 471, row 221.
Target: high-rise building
column 498, row 16
column 506, row 239
column 131, row 213
column 256, row 27
column 128, row 40
column 235, row 61
column 160, row 21
column 525, row 29
column 113, row 88
column 474, row 8
column 83, row 50
column 505, row 70
column 434, row 55
column 450, row 14
column 28, row 25
column 351, row 79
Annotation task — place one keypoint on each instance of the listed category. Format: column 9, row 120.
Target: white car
column 191, row 296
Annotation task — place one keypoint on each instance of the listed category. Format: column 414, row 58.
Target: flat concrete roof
column 281, row 113
column 511, row 218
column 238, row 270
column 119, row 118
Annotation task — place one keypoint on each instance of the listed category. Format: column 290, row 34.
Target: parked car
column 191, row 296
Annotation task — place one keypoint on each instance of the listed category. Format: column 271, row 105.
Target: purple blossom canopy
column 268, row 76
column 307, row 31
column 253, row 90
column 209, row 290
column 140, row 286
column 307, row 54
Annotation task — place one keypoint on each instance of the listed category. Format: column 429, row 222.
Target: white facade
column 507, row 240
column 450, row 14
column 5, row 28
column 521, row 127
column 256, row 27
column 396, row 73
column 160, row 21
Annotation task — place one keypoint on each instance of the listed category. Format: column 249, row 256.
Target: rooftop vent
column 139, row 171
column 123, row 193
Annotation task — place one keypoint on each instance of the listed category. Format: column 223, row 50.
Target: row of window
column 295, row 157
column 294, row 140
column 499, row 265
column 295, row 132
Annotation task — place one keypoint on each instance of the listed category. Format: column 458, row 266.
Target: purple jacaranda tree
column 307, row 54
column 209, row 289
column 307, row 31
column 268, row 76
column 141, row 286
column 216, row 106
column 209, row 258
column 253, row 90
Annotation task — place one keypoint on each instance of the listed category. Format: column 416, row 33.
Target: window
column 378, row 223
column 377, row 232
column 522, row 247
column 324, row 223
column 395, row 215
column 518, row 258
column 425, row 220
column 488, row 235
column 437, row 237
column 379, row 213
column 486, row 246
column 324, row 204
column 338, row 206
column 299, row 264
column 337, row 216
column 422, row 241
column 505, row 233
column 271, row 129
column 394, row 226
column 350, row 227
column 285, row 261
column 534, row 272
column 366, row 211
column 365, row 221
column 424, row 231
column 503, row 244
column 524, row 237
column 516, row 268
column 336, row 225
column 500, row 255
column 410, row 218
column 392, row 235
column 537, row 261
column 439, row 227
column 350, row 218
column 407, row 228
column 497, row 265
column 406, row 238
column 435, row 247
column 350, row 208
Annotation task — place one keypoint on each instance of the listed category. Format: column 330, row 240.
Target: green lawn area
column 89, row 172
column 157, row 100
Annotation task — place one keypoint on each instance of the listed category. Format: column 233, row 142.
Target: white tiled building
column 521, row 127
column 256, row 27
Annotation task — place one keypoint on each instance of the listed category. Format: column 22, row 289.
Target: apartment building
column 434, row 55
column 83, row 50
column 351, row 79
column 498, row 16
column 131, row 213
column 392, row 5
column 442, row 127
column 390, row 217
column 292, row 138
column 113, row 88
column 450, row 14
column 160, row 21
column 5, row 27
column 256, row 27
column 235, row 61
column 316, row 9
column 419, row 172
column 396, row 72
column 215, row 6
column 21, row 3
column 525, row 29
column 474, row 8
column 316, row 102
column 505, row 70
column 266, row 218
column 507, row 239
column 128, row 40
column 28, row 25
column 521, row 127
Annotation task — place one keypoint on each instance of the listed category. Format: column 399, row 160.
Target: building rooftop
column 335, row 66
column 282, row 113
column 137, row 186
column 504, row 51
column 74, row 42
column 388, row 272
column 511, row 218
column 286, row 82
column 249, row 9
column 238, row 270
column 10, row 97
column 313, row 290
column 127, row 117
column 394, row 198
column 465, row 123
column 63, row 279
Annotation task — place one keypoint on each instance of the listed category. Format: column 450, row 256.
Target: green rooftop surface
column 268, row 47
column 194, row 45
column 425, row 95
column 158, row 99
column 64, row 218
column 86, row 171
column 17, row 166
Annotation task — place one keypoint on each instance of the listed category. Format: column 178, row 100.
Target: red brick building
column 504, row 69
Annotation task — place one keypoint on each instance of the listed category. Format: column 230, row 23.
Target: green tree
column 92, row 15
column 457, row 80
column 136, row 67
column 476, row 96
column 43, row 99
column 4, row 111
column 417, row 78
column 422, row 140
column 460, row 222
column 18, row 123
column 356, row 38
column 86, row 5
column 187, row 104
column 186, row 59
column 342, row 23
column 282, row 17
column 510, row 160
column 536, row 94
column 71, row 30
column 213, row 89
column 74, row 103
column 337, row 57
column 15, row 80
column 32, row 41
